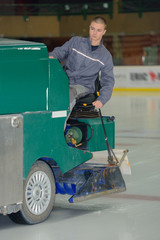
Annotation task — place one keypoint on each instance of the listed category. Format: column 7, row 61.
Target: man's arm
column 61, row 52
column 107, row 83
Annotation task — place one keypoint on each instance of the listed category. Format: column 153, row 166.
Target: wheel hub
column 37, row 193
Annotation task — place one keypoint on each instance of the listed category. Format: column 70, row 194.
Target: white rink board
column 137, row 77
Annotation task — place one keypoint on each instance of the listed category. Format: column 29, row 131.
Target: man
column 84, row 59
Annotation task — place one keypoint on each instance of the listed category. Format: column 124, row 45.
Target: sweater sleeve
column 106, row 81
column 61, row 53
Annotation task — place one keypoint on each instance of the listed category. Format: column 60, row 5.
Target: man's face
column 96, row 32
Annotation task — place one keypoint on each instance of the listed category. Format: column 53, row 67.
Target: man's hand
column 97, row 104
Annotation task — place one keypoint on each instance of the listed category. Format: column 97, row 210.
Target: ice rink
column 132, row 215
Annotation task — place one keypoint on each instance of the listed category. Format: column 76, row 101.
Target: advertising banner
column 137, row 77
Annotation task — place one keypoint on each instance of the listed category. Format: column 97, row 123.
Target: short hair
column 99, row 19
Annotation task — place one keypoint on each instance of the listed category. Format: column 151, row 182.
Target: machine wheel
column 39, row 195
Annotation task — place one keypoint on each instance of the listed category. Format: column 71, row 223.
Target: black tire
column 39, row 195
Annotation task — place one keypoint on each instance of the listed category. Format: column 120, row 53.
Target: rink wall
column 137, row 78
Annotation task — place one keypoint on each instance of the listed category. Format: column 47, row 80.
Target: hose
column 110, row 151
